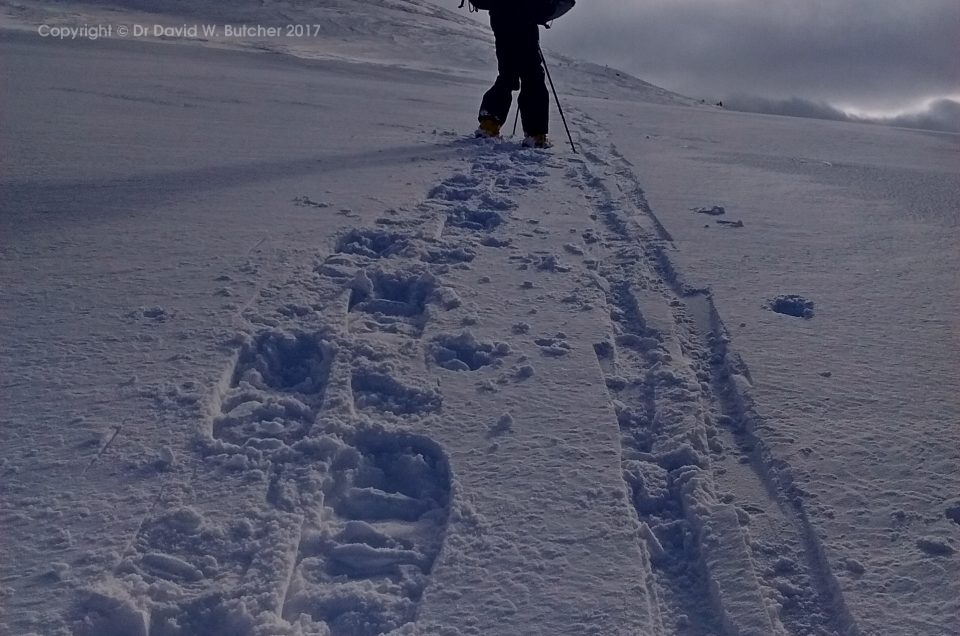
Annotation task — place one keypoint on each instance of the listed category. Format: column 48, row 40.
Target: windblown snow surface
column 284, row 351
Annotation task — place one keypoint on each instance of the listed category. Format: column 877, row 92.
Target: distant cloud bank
column 941, row 115
column 879, row 55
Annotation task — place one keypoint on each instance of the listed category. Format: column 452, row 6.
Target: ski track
column 332, row 506
column 720, row 513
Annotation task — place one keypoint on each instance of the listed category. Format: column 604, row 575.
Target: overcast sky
column 871, row 55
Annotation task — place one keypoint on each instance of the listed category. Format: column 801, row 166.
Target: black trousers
column 519, row 68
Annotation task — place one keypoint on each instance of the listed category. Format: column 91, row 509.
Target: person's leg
column 534, row 100
column 496, row 101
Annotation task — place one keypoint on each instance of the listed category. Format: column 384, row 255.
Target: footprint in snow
column 362, row 570
column 276, row 389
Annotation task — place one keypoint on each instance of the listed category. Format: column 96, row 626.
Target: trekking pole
column 557, row 99
column 516, row 118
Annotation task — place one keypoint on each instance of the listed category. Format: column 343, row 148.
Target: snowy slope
column 405, row 34
column 283, row 352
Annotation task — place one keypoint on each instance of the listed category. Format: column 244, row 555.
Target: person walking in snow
column 517, row 33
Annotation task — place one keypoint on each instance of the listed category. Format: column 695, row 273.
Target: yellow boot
column 489, row 128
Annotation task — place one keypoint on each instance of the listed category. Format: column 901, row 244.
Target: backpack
column 541, row 11
column 545, row 11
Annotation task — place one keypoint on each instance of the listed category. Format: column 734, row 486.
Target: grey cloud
column 793, row 107
column 869, row 53
column 941, row 115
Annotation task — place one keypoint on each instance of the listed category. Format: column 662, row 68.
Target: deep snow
column 285, row 352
